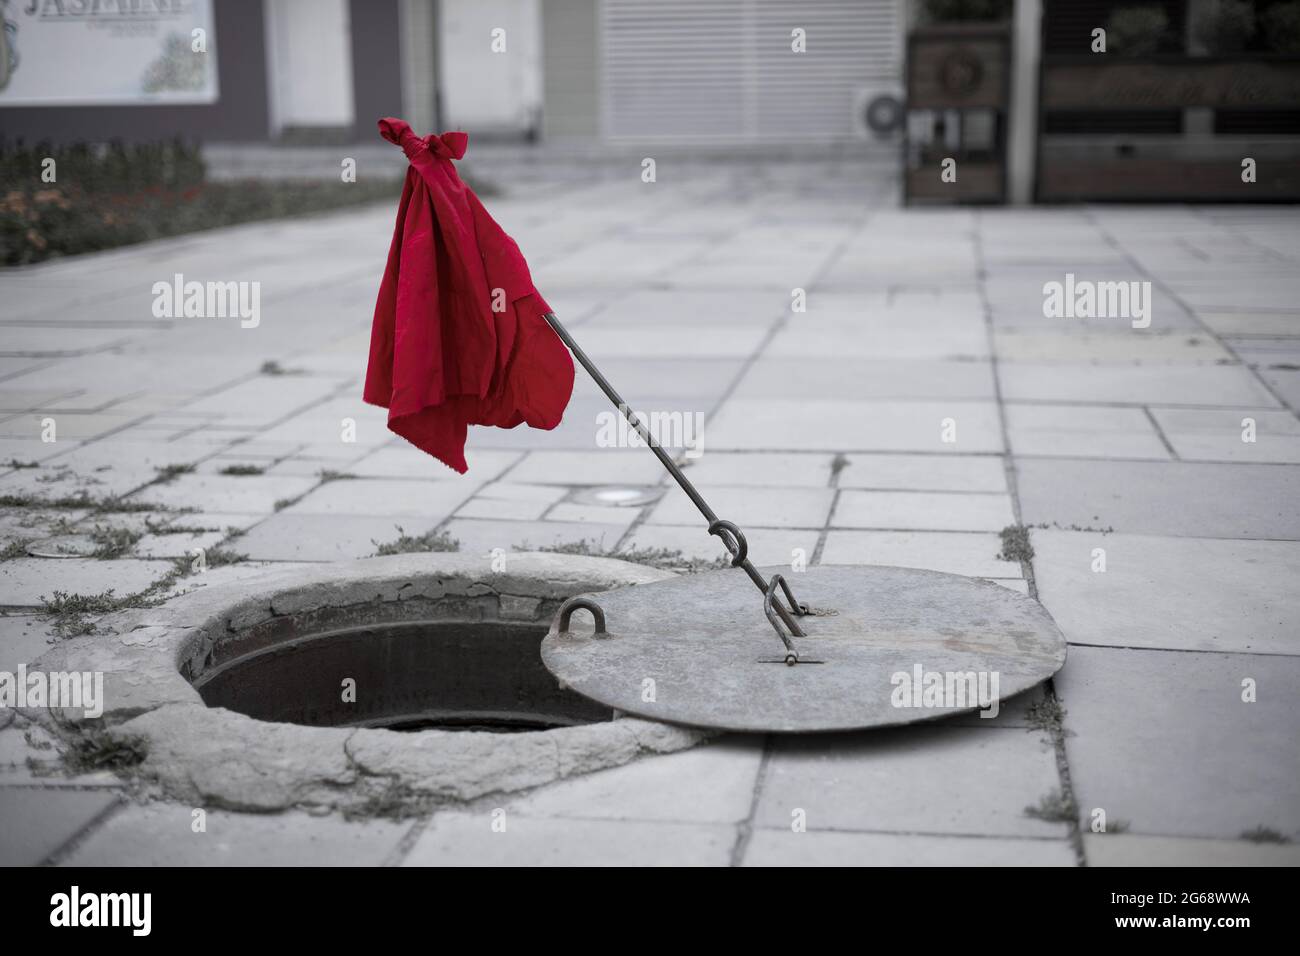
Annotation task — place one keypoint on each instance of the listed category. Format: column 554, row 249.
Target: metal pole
column 735, row 546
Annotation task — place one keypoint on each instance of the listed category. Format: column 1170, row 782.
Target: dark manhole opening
column 481, row 675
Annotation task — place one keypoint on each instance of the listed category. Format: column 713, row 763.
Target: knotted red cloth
column 458, row 337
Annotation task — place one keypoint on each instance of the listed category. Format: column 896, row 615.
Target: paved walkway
column 826, row 430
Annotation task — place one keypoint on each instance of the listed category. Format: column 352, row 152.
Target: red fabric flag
column 458, row 337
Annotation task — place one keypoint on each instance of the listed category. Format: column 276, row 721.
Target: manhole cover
column 618, row 496
column 63, row 546
column 884, row 646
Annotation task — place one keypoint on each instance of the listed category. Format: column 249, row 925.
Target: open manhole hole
column 410, row 675
column 289, row 689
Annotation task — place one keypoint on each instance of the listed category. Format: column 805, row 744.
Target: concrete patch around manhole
column 211, row 756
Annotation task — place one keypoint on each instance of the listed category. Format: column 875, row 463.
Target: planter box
column 1194, row 165
column 955, row 71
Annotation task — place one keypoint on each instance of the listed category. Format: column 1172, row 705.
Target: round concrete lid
column 883, row 646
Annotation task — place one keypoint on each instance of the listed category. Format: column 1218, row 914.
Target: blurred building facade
column 711, row 71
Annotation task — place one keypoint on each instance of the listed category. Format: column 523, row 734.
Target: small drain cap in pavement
column 618, row 495
column 881, row 646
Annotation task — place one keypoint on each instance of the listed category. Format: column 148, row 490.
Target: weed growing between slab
column 68, row 611
column 15, row 549
column 82, row 500
column 665, row 559
column 1263, row 834
column 212, row 558
column 1047, row 715
column 1015, row 544
column 1074, row 527
column 90, row 746
column 239, row 471
column 1055, row 807
column 154, row 527
column 393, row 800
column 169, row 473
column 416, row 544
column 112, row 542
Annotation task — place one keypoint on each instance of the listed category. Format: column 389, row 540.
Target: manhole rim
column 212, row 756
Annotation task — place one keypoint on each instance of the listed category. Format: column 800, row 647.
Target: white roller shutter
column 723, row 70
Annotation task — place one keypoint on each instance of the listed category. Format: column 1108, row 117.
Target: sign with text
column 97, row 52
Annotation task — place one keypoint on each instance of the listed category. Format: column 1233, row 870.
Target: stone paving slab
column 604, row 466
column 793, row 470
column 969, row 473
column 1286, row 382
column 23, row 581
column 709, row 784
column 1199, row 594
column 467, row 839
column 176, row 545
column 803, row 339
column 1070, row 347
column 72, row 425
column 52, row 481
column 771, row 507
column 1164, row 498
column 1125, row 849
column 1226, row 385
column 832, row 848
column 952, row 780
column 244, row 493
column 406, row 461
column 663, row 340
column 767, row 546
column 702, row 379
column 681, row 307
column 865, row 379
column 511, row 501
column 1083, row 431
column 38, row 821
column 1163, row 741
column 970, row 554
column 922, row 511
column 384, row 496
column 1215, row 435
column 162, row 834
column 480, row 536
column 23, row 638
column 835, row 425
column 311, row 537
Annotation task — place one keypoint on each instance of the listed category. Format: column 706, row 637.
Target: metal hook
column 736, row 544
column 580, row 603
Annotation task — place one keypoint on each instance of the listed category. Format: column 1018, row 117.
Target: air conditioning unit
column 878, row 113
